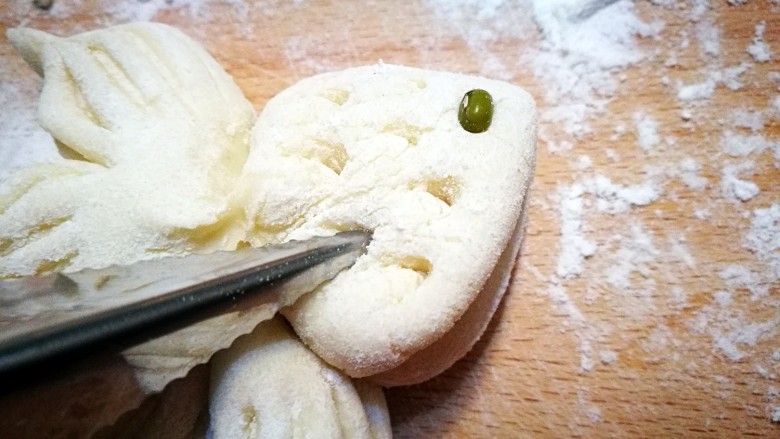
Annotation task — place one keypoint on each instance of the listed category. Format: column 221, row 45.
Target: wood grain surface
column 575, row 357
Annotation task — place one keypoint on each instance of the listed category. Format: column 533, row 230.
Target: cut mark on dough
column 102, row 281
column 446, row 189
column 207, row 235
column 420, row 265
column 406, row 130
column 113, row 70
column 336, row 95
column 163, row 249
column 396, row 349
column 416, row 263
column 49, row 266
column 408, row 273
column 262, row 231
column 259, row 227
column 82, row 104
column 26, row 186
column 249, row 422
column 345, row 226
column 331, row 154
column 69, row 153
column 162, row 59
column 46, row 225
column 7, row 245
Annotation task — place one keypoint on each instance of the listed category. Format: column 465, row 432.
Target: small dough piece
column 149, row 163
column 380, row 148
column 268, row 385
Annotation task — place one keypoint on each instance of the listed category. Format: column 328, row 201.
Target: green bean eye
column 476, row 111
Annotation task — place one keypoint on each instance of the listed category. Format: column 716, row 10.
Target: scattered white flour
column 678, row 248
column 241, row 14
column 753, row 120
column 723, row 298
column 679, row 296
column 618, row 131
column 301, row 52
column 697, row 91
column 481, row 23
column 584, row 43
column 591, row 412
column 608, row 357
column 761, row 370
column 758, row 49
column 610, row 198
column 628, row 264
column 24, row 142
column 574, row 247
column 689, row 174
column 117, row 12
column 731, row 330
column 741, row 277
column 635, row 254
column 705, row 89
column 740, row 145
column 658, row 344
column 585, row 334
column 773, row 396
column 776, row 104
column 708, row 36
column 731, row 76
column 636, row 250
column 763, row 238
column 647, row 131
column 735, row 188
column 583, row 331
column 561, row 147
column 583, row 163
column 702, row 214
column 616, row 198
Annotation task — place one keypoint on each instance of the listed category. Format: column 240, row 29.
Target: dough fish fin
column 30, row 43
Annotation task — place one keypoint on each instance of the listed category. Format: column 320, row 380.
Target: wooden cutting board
column 577, row 357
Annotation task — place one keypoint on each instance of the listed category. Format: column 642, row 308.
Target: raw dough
column 150, row 162
column 155, row 170
column 380, row 148
column 268, row 385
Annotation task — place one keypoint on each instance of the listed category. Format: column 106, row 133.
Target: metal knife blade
column 51, row 315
